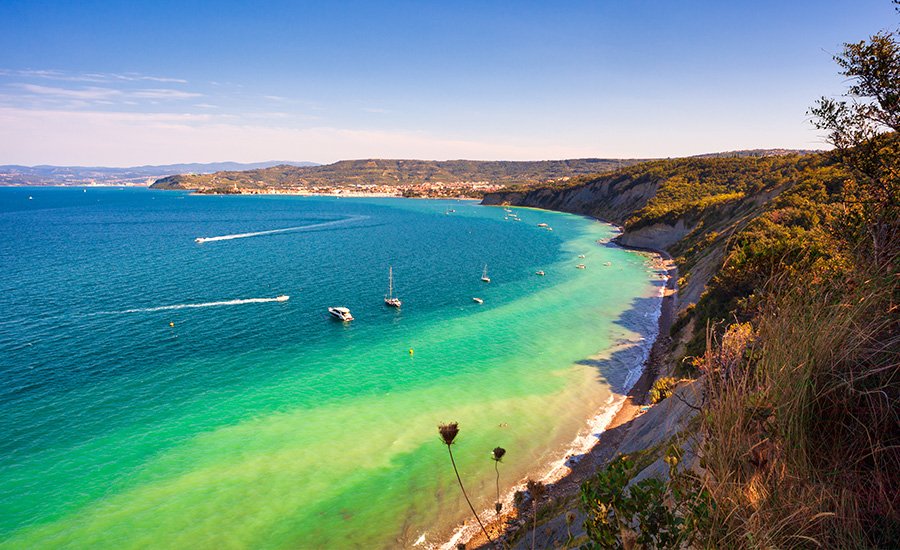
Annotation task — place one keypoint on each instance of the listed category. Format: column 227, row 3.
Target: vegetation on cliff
column 795, row 339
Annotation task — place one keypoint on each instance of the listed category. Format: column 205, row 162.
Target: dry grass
column 802, row 436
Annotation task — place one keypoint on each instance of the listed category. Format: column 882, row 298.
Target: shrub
column 662, row 388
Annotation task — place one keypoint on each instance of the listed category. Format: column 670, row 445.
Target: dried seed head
column 497, row 453
column 498, row 506
column 448, row 432
column 536, row 488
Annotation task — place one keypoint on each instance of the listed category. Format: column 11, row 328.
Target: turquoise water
column 131, row 420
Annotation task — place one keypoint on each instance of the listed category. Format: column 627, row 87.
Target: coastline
column 563, row 476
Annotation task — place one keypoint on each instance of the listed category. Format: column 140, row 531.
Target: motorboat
column 543, row 225
column 541, row 273
column 340, row 313
column 478, row 300
column 484, row 275
column 282, row 298
column 580, row 266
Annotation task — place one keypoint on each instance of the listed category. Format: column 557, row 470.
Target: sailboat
column 484, row 276
column 389, row 300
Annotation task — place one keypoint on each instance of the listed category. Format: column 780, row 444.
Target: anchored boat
column 390, row 300
column 341, row 314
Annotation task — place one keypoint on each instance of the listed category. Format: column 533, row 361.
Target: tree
column 863, row 129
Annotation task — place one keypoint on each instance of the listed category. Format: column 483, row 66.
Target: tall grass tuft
column 802, row 433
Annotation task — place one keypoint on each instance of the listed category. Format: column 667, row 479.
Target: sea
column 155, row 393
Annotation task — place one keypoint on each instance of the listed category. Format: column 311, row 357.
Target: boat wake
column 281, row 298
column 274, row 231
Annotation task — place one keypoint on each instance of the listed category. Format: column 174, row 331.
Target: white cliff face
column 658, row 236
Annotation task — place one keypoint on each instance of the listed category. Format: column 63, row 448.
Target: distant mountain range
column 135, row 175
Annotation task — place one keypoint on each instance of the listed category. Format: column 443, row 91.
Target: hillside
column 393, row 173
column 788, row 331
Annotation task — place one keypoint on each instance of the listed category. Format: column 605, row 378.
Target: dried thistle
column 536, row 489
column 497, row 456
column 448, row 432
column 497, row 453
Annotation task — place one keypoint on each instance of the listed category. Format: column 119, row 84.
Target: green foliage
column 662, row 388
column 651, row 513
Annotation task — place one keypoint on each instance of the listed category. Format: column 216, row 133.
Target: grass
column 801, row 427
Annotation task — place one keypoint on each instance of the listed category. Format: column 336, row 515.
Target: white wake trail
column 273, row 231
column 282, row 298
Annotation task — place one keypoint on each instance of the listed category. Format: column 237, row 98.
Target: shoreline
column 560, row 483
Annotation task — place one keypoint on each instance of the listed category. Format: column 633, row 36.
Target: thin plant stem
column 534, row 522
column 497, row 468
column 474, row 513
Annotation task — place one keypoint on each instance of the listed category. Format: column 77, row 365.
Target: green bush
column 662, row 388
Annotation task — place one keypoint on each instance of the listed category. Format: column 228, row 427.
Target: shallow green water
column 262, row 424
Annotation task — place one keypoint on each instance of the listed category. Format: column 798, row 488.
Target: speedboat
column 282, row 298
column 541, row 273
column 484, row 276
column 580, row 266
column 340, row 313
column 543, row 225
column 478, row 300
column 581, row 255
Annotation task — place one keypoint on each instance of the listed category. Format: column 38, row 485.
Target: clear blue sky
column 124, row 83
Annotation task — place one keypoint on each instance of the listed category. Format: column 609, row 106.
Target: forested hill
column 393, row 172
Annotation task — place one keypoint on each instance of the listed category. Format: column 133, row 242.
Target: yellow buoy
column 171, row 324
column 411, row 351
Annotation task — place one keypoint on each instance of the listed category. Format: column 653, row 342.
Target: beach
column 596, row 444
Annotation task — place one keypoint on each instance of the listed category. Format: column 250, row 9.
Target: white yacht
column 580, row 266
column 543, row 225
column 340, row 313
column 478, row 300
column 390, row 300
column 484, row 276
column 541, row 273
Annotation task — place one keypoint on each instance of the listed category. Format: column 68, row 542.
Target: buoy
column 411, row 352
column 171, row 324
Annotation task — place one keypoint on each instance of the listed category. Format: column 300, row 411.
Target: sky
column 131, row 83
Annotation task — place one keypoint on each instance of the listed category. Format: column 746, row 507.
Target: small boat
column 389, row 300
column 484, row 276
column 451, row 210
column 478, row 300
column 340, row 313
column 580, row 266
column 541, row 273
column 282, row 298
column 581, row 255
column 543, row 225
column 549, row 229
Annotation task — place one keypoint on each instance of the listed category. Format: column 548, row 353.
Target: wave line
column 282, row 298
column 273, row 231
